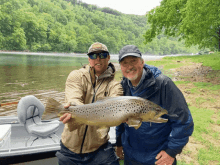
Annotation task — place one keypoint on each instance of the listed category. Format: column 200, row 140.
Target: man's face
column 100, row 65
column 132, row 68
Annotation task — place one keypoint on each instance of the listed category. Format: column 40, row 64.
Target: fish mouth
column 158, row 118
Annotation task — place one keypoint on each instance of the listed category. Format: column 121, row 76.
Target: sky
column 138, row 7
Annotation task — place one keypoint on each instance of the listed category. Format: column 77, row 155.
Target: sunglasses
column 102, row 55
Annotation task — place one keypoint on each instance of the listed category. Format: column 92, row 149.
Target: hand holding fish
column 65, row 118
column 119, row 152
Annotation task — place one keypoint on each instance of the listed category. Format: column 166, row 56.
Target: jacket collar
column 90, row 73
column 148, row 82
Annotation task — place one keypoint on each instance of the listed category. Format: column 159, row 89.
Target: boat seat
column 36, row 127
column 29, row 111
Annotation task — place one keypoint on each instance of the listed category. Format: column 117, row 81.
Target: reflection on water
column 27, row 72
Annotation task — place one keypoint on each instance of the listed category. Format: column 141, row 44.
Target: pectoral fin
column 136, row 123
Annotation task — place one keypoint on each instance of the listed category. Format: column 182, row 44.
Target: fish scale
column 110, row 111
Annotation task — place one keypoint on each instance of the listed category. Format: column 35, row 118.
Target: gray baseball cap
column 129, row 50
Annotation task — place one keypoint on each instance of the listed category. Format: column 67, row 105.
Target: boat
column 33, row 141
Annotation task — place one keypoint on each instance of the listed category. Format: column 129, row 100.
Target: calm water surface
column 35, row 72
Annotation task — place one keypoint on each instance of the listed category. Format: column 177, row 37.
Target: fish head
column 154, row 115
column 157, row 118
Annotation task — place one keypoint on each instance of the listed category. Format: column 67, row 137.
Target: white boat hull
column 17, row 148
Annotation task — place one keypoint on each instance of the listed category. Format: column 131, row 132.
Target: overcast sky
column 138, row 7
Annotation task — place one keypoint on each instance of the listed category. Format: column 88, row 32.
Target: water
column 41, row 71
column 27, row 72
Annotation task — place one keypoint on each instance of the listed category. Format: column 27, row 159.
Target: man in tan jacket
column 82, row 144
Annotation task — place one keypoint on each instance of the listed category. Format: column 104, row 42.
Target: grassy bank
column 198, row 77
column 201, row 88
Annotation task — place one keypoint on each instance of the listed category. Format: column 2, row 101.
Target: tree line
column 72, row 26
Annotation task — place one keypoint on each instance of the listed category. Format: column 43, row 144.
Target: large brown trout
column 110, row 111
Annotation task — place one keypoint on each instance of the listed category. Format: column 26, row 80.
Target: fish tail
column 52, row 109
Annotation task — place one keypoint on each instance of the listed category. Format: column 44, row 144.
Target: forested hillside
column 72, row 26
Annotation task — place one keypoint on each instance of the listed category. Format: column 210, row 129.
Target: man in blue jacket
column 152, row 143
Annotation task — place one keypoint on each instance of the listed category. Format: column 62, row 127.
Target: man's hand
column 164, row 159
column 67, row 116
column 119, row 152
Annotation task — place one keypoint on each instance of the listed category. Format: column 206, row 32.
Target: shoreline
column 74, row 54
column 113, row 56
column 43, row 53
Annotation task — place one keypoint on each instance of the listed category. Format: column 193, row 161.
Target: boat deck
column 19, row 137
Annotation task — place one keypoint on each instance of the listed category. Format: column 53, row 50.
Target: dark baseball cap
column 129, row 50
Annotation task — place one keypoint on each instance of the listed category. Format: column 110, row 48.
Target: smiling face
column 132, row 68
column 100, row 65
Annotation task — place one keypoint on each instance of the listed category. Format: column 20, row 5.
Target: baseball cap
column 129, row 50
column 97, row 46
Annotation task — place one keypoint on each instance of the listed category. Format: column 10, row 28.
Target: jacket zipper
column 84, row 136
column 93, row 99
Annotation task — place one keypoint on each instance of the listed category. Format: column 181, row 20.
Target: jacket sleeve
column 179, row 117
column 74, row 89
column 179, row 135
column 74, row 94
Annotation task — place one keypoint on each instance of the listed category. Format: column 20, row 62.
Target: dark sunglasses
column 101, row 55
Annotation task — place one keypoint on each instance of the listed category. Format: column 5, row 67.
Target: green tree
column 201, row 23
column 12, row 35
column 84, row 39
column 195, row 21
column 35, row 30
column 56, row 37
column 17, row 40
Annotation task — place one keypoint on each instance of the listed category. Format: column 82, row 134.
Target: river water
column 34, row 71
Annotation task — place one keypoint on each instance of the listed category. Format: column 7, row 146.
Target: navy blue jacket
column 145, row 143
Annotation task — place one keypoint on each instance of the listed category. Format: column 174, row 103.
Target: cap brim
column 98, row 51
column 130, row 54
